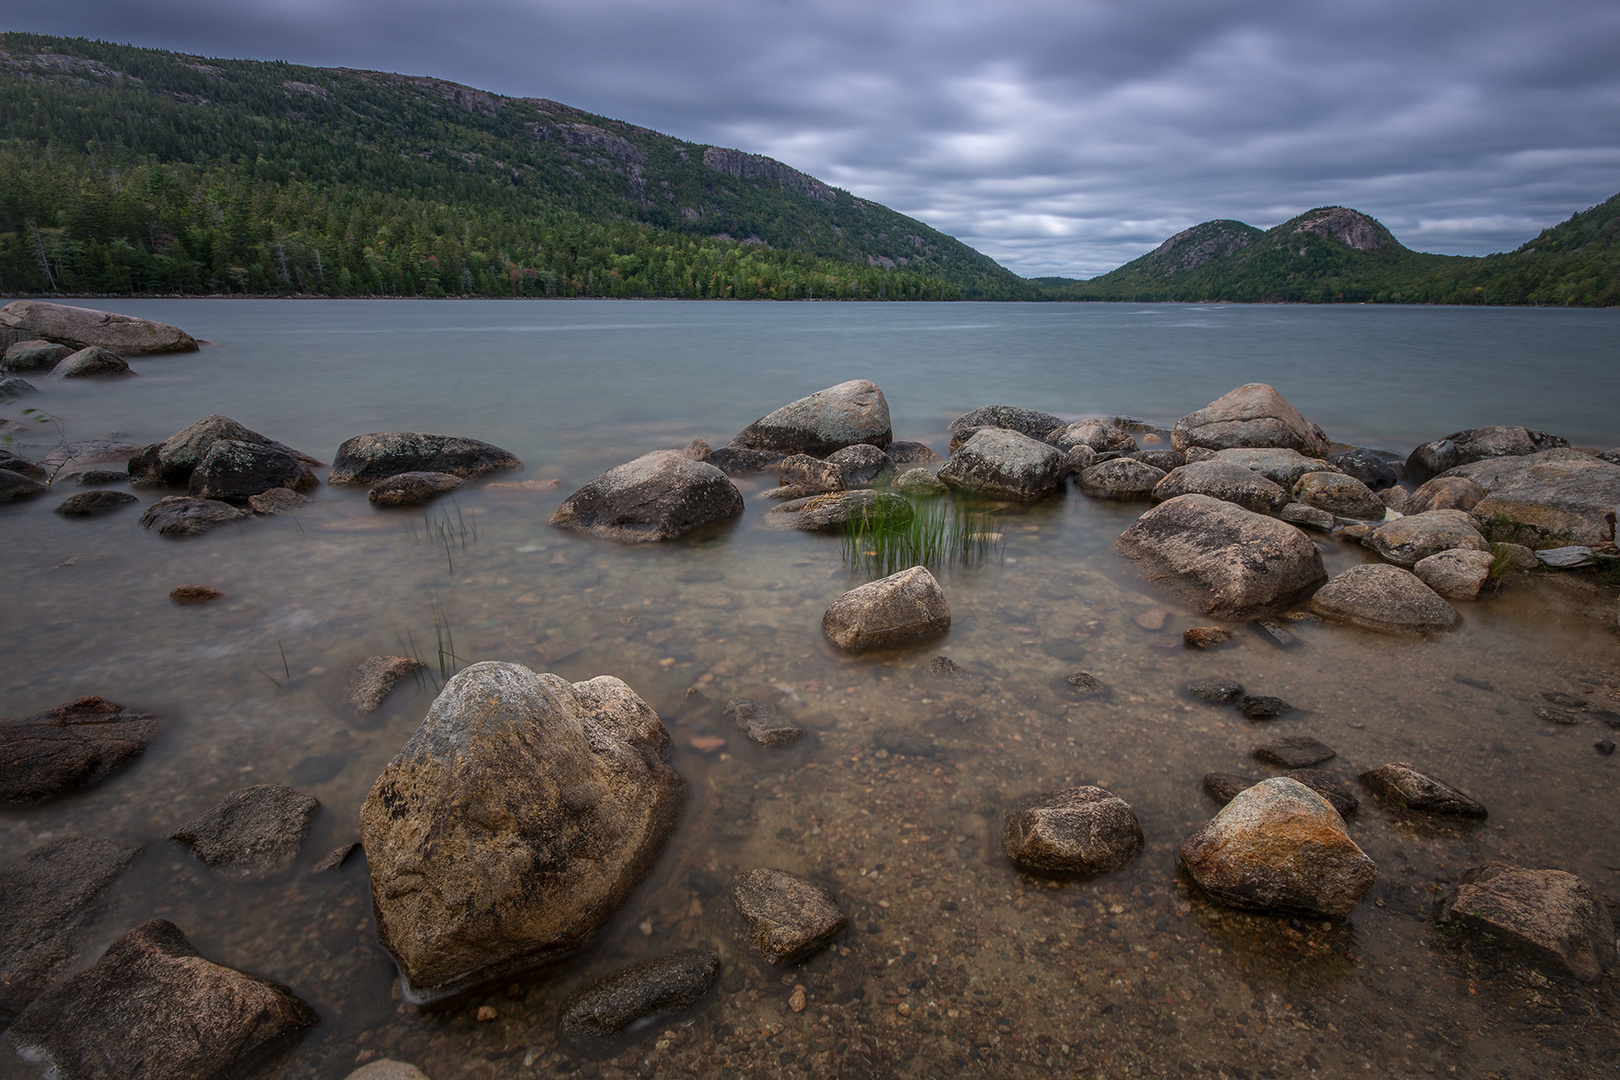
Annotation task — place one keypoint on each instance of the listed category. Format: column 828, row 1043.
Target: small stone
column 1558, row 716
column 1404, row 788
column 1087, row 684
column 903, row 742
column 1275, row 633
column 640, row 992
column 1309, row 517
column 943, row 667
column 486, row 1012
column 1608, row 716
column 796, row 1000
column 95, row 503
column 374, row 678
column 697, row 450
column 337, row 857
column 788, row 917
column 412, row 488
column 1205, row 637
column 1259, row 707
column 1457, row 575
column 1604, row 747
column 387, row 1069
column 1568, row 701
column 195, row 594
column 900, row 607
column 251, row 834
column 1294, row 751
column 1215, row 691
column 919, row 482
column 1081, row 830
column 182, row 515
column 763, row 724
column 706, row 744
column 277, row 500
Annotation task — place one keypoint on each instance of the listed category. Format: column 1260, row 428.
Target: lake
column 955, row 962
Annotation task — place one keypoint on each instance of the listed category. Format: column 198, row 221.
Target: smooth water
column 955, row 962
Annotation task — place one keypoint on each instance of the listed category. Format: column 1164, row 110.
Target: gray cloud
column 1058, row 137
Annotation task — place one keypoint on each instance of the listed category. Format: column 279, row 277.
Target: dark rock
column 1027, row 422
column 182, row 515
column 1205, row 637
column 90, row 363
column 195, row 594
column 69, row 747
column 658, row 496
column 1168, row 460
column 1294, row 752
column 862, row 466
column 1384, row 599
column 81, row 327
column 235, row 470
column 153, row 1009
column 912, row 453
column 1340, row 495
column 919, row 482
column 1223, row 480
column 34, row 355
column 1005, row 464
column 1081, row 458
column 172, row 461
column 1249, row 416
column 832, row 511
column 1224, row 787
column 412, row 488
column 1120, row 478
column 47, row 901
column 1263, row 708
column 1568, row 701
column 1552, row 916
column 374, row 678
column 337, row 857
column 640, row 992
column 12, row 388
column 900, row 607
column 1102, row 436
column 1445, row 493
column 99, row 477
column 828, row 420
column 1330, row 787
column 21, row 466
column 1086, row 684
column 1608, row 716
column 277, row 501
column 763, row 724
column 366, row 459
column 1558, row 716
column 16, row 486
column 1403, row 787
column 943, row 667
column 788, row 917
column 1604, row 747
column 1216, row 691
column 251, row 834
column 1477, row 444
column 1275, row 633
column 742, row 461
column 1371, row 467
column 1080, row 830
column 514, row 824
column 903, row 742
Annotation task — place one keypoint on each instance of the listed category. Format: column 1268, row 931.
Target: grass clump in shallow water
column 891, row 534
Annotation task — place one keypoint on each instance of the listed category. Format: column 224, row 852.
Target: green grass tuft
column 927, row 531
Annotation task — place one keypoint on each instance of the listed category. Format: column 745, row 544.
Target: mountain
column 126, row 169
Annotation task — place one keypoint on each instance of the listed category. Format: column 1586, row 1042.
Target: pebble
column 194, row 594
column 1087, row 684
column 763, row 724
column 1263, row 708
column 1604, row 747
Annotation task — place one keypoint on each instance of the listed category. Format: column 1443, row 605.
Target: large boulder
column 251, row 834
column 1081, row 830
column 81, row 327
column 234, row 470
column 1279, row 846
column 513, row 824
column 152, row 1008
column 1385, row 599
column 172, row 461
column 640, row 992
column 68, row 747
column 1281, row 466
column 1408, row 539
column 828, row 420
column 1119, row 478
column 1005, row 464
column 833, row 511
column 1552, row 916
column 658, row 496
column 183, row 515
column 1477, row 444
column 1444, row 493
column 22, row 466
column 1226, row 561
column 1036, row 425
column 1101, row 435
column 1225, row 481
column 1547, row 499
column 897, row 608
column 34, row 355
column 1252, row 415
column 1401, row 786
column 366, row 459
column 91, row 363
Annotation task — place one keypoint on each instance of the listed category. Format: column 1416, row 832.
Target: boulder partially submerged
column 84, row 327
column 1401, row 786
column 1414, row 537
column 888, row 611
column 658, row 496
column 69, row 747
column 1477, row 444
column 172, row 461
column 251, row 834
column 233, row 470
column 1385, row 599
column 1281, row 466
column 833, row 511
column 1551, row 916
column 1080, row 830
column 1005, row 464
column 91, row 363
column 366, row 459
column 182, row 515
column 1547, row 499
column 1027, row 422
column 789, row 917
column 1119, row 478
column 1340, row 495
column 1225, row 481
column 1251, row 415
column 827, row 420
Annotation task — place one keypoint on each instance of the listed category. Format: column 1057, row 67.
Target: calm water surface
column 955, row 962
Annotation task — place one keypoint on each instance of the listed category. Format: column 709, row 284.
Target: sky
column 1060, row 137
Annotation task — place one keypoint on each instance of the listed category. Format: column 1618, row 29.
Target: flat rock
column 1445, row 493
column 1477, row 444
column 1080, row 830
column 1330, row 787
column 640, row 992
column 788, row 916
column 1100, row 435
column 912, row 453
column 833, row 511
column 893, row 609
column 1547, row 498
column 90, row 363
column 1028, row 422
column 1564, row 558
column 80, row 327
column 919, row 482
column 1403, row 787
column 1279, row 465
column 153, row 1009
column 366, row 459
column 1408, row 539
column 251, row 834
column 15, row 486
column 93, row 503
column 1005, row 464
column 1384, row 599
column 658, row 496
column 195, row 594
column 1168, row 460
column 47, row 901
column 34, row 354
column 233, row 470
column 171, row 462
column 277, row 501
column 1294, row 752
column 1216, row 691
column 1120, row 478
column 763, row 724
column 1279, row 846
column 1551, row 915
column 1263, row 707
column 1457, row 574
column 374, row 678
column 1226, row 561
column 1308, row 517
column 743, row 461
column 1375, row 468
column 1340, row 495
column 1251, row 415
column 827, row 420
column 74, row 458
column 1222, row 480
column 182, row 515
column 69, row 747
column 514, row 824
column 412, row 488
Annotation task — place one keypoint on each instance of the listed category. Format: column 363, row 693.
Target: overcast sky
column 1062, row 137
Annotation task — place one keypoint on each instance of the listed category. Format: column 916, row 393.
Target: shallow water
column 955, row 962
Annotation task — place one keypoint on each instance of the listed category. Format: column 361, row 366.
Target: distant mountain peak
column 1349, row 227
column 1208, row 240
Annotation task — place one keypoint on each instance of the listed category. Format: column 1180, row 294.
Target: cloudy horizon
column 1058, row 138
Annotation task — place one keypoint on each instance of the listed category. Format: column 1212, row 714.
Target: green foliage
column 887, row 537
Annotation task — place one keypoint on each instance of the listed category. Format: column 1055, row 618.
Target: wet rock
column 1152, row 619
column 1558, row 716
column 897, row 608
column 1005, row 464
column 788, row 493
column 658, row 496
column 366, row 459
column 235, row 470
column 69, row 747
column 763, row 724
column 1568, row 701
column 1282, row 467
column 34, row 355
column 1384, row 599
column 1456, row 574
column 1294, row 752
column 831, row 512
column 1100, row 435
column 1120, row 478
column 640, row 992
column 15, row 486
column 1027, row 422
column 1477, row 444
column 1517, row 556
column 153, row 1009
column 82, row 327
column 251, row 834
column 1224, row 787
column 90, row 363
column 1548, row 498
column 101, row 477
column 195, row 594
column 277, row 501
column 943, row 667
column 912, row 453
column 47, row 901
column 1374, row 468
column 1403, row 787
column 862, row 466
column 1080, row 830
column 1275, row 633
column 1552, row 916
column 172, row 461
column 1445, row 493
column 811, row 475
column 412, row 488
column 1604, row 747
column 919, row 482
column 1226, row 561
column 1279, row 846
column 1607, row 716
column 182, row 515
column 828, row 420
column 1086, row 684
column 1262, row 707
column 12, row 388
column 1249, row 416
column 1205, row 637
column 374, row 678
column 337, row 857
column 1356, row 533
column 788, row 917
column 1216, row 691
column 21, row 466
column 1397, row 499
column 514, row 824
column 1222, row 480
column 1343, row 496
column 1406, row 540
column 743, row 461
column 1330, row 787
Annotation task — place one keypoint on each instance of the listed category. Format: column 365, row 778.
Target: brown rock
column 788, row 917
column 763, row 724
column 1251, row 415
column 251, row 834
column 69, row 747
column 1403, row 787
column 195, row 594
column 1553, row 916
column 1340, row 495
column 1547, row 499
column 1120, row 478
column 1223, row 480
column 1294, row 751
column 1081, row 830
column 639, row 992
column 1457, row 574
column 897, row 608
column 1384, row 599
column 374, row 678
column 1408, row 539
column 1205, row 637
column 1330, row 787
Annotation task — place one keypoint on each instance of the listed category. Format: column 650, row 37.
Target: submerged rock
column 897, row 608
column 1477, row 444
column 763, row 724
column 22, row 466
column 182, row 515
column 366, row 459
column 1294, row 751
column 1205, row 637
column 1120, row 478
column 640, row 992
column 374, row 678
column 1080, row 830
column 1224, row 787
column 828, row 420
column 788, row 917
column 1552, row 916
column 195, row 594
column 919, row 482
column 16, row 486
column 277, row 501
column 658, row 496
column 93, row 503
column 34, row 355
column 1331, row 788
column 1216, row 691
column 90, row 363
column 412, row 488
column 811, row 475
column 1263, row 707
column 1222, row 480
column 1100, row 435
column 832, row 511
column 1005, row 464
column 1251, row 415
column 172, row 461
column 82, row 327
column 1385, row 599
column 235, row 470
column 251, row 834
column 69, row 747
column 1027, row 422
column 1403, row 787
column 1343, row 496
column 1408, row 539
column 1375, row 468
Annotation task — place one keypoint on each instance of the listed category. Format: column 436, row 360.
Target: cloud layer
column 1058, row 136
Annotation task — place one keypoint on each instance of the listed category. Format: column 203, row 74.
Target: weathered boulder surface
column 412, row 488
column 1338, row 494
column 1028, row 422
column 34, row 355
column 366, row 459
column 235, row 471
column 68, row 747
column 828, row 420
column 1160, row 458
column 374, row 678
column 897, row 608
column 788, row 917
column 172, row 461
column 77, row 458
column 182, row 515
column 90, row 363
column 912, row 453
column 1224, row 787
column 763, row 724
column 93, row 503
column 1080, row 830
column 82, row 327
column 17, row 486
column 1279, row 846
column 1281, row 466
column 1120, row 478
column 658, row 496
column 152, row 1008
column 1445, row 493
column 1227, row 561
column 1477, row 444
column 1308, row 517
column 1548, row 498
column 1005, row 464
column 919, row 482
column 862, row 465
column 1100, row 435
column 47, row 900
column 513, row 824
column 1408, row 539
column 640, row 992
column 1551, row 915
column 1374, row 468
column 1403, row 787
column 1225, row 481
column 805, row 473
column 742, row 461
column 251, row 834
column 1385, row 599
column 1456, row 574
column 1251, row 415
column 832, row 511
column 276, row 501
